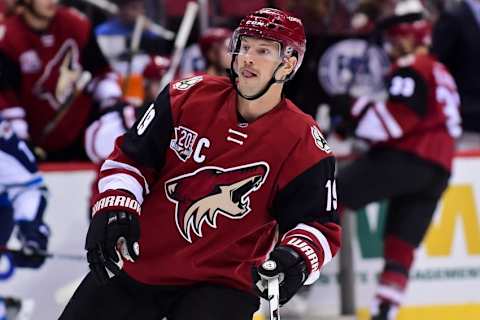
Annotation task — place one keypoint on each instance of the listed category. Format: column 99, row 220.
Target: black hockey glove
column 33, row 236
column 340, row 105
column 291, row 269
column 113, row 234
column 341, row 119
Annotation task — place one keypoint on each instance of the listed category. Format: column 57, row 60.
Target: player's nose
column 248, row 60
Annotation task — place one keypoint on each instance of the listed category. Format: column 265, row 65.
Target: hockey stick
column 134, row 46
column 273, row 289
column 81, row 83
column 62, row 256
column 273, row 298
column 203, row 15
column 180, row 42
column 112, row 8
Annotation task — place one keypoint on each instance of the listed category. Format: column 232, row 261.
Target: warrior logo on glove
column 202, row 195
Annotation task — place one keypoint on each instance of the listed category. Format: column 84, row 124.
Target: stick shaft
column 274, row 296
column 180, row 42
column 112, row 8
column 63, row 256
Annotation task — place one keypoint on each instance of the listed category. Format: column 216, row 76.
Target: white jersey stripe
column 388, row 119
column 359, row 105
column 390, row 293
column 370, row 127
column 111, row 164
column 241, row 134
column 122, row 181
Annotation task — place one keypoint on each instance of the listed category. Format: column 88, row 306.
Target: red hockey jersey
column 218, row 192
column 421, row 115
column 45, row 73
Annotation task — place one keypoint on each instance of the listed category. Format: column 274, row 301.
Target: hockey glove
column 33, row 236
column 113, row 233
column 289, row 266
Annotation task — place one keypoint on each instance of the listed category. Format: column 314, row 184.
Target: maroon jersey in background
column 40, row 71
column 421, row 114
column 223, row 191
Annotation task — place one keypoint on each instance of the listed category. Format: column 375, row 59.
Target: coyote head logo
column 61, row 76
column 202, row 195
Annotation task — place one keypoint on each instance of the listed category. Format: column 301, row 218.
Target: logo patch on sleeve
column 183, row 142
column 320, row 141
column 187, row 83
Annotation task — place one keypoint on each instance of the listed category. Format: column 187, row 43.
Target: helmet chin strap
column 233, row 76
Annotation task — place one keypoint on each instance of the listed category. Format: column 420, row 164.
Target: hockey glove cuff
column 113, row 233
column 304, row 248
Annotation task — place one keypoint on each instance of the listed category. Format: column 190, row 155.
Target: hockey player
column 410, row 160
column 152, row 76
column 7, row 8
column 213, row 46
column 216, row 177
column 23, row 198
column 48, row 55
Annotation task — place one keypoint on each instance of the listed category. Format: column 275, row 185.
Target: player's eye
column 263, row 52
column 244, row 48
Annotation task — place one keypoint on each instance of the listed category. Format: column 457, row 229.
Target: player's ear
column 289, row 64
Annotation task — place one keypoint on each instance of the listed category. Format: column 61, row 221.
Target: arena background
column 446, row 276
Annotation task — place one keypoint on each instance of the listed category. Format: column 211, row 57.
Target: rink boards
column 445, row 279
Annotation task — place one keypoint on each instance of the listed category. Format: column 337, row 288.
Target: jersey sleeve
column 100, row 136
column 10, row 82
column 405, row 107
column 140, row 153
column 306, row 205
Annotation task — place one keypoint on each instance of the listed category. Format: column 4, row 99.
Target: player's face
column 132, row 10
column 218, row 55
column 45, row 8
column 398, row 46
column 256, row 62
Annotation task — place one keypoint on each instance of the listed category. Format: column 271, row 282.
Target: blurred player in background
column 53, row 78
column 122, row 25
column 152, row 76
column 208, row 55
column 23, row 199
column 7, row 8
column 225, row 174
column 117, row 39
column 214, row 47
column 100, row 136
column 410, row 159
